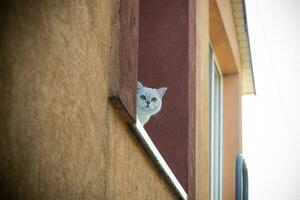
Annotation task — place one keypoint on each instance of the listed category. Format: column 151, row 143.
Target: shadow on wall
column 7, row 177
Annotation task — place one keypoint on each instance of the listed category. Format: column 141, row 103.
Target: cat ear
column 161, row 91
column 139, row 85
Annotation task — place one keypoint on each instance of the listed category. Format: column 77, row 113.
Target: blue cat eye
column 154, row 99
column 143, row 97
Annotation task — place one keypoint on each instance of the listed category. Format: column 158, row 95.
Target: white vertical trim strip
column 215, row 69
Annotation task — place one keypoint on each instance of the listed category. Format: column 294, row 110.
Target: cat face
column 149, row 100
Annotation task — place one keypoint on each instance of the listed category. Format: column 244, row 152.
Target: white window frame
column 216, row 132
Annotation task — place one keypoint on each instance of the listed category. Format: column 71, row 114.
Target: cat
column 148, row 102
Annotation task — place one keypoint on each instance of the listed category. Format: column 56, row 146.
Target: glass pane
column 215, row 135
column 217, row 156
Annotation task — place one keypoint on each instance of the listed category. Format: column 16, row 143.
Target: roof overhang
column 240, row 18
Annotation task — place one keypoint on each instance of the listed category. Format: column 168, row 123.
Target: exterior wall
column 224, row 39
column 226, row 12
column 60, row 137
column 232, row 145
column 202, row 156
column 223, row 36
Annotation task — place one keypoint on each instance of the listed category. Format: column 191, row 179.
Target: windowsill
column 157, row 158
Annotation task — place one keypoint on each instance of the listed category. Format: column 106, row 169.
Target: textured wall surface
column 60, row 137
column 232, row 141
column 163, row 62
column 224, row 40
column 226, row 12
column 202, row 137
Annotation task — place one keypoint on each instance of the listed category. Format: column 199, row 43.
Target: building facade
column 68, row 127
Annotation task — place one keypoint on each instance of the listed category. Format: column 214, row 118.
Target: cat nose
column 148, row 102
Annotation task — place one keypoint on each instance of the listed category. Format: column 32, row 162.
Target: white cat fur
column 144, row 112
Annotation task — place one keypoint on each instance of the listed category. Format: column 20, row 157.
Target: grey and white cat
column 148, row 101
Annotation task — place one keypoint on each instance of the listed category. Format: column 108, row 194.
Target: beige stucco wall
column 224, row 37
column 60, row 137
column 232, row 105
column 232, row 141
column 202, row 158
column 226, row 12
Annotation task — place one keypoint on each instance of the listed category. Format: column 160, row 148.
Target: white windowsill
column 157, row 159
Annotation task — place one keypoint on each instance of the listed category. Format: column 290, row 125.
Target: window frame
column 214, row 68
column 123, row 92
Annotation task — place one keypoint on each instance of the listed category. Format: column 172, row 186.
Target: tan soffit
column 239, row 13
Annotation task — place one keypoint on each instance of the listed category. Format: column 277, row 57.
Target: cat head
column 149, row 100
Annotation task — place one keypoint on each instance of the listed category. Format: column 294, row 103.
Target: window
column 163, row 61
column 157, row 48
column 215, row 129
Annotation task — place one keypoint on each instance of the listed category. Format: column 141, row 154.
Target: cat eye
column 143, row 97
column 154, row 99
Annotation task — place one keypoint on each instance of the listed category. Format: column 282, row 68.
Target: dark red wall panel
column 164, row 61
